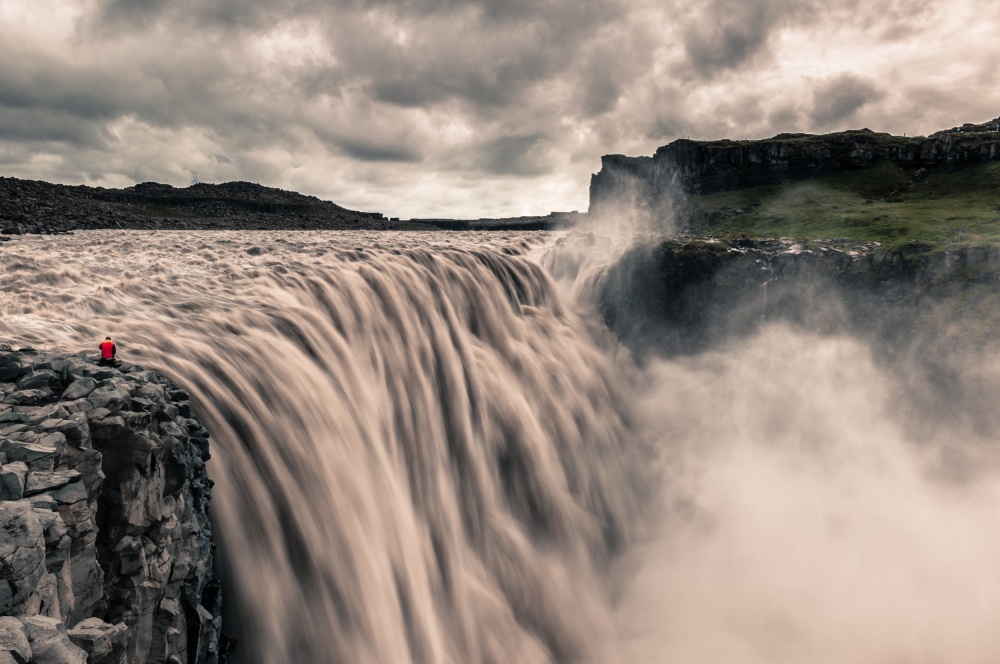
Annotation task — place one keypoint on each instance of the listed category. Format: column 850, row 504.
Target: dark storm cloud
column 47, row 85
column 838, row 99
column 366, row 149
column 45, row 125
column 736, row 32
column 492, row 57
column 336, row 95
column 726, row 35
column 514, row 155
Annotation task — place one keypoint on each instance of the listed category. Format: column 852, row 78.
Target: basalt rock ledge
column 106, row 553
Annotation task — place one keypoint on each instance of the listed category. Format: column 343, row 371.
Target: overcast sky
column 462, row 108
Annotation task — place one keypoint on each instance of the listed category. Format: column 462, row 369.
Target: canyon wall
column 689, row 294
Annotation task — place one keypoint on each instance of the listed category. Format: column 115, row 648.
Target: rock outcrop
column 699, row 167
column 688, row 294
column 106, row 553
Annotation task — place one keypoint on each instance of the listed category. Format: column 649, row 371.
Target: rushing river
column 427, row 448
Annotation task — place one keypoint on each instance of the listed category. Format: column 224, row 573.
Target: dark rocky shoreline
column 107, row 553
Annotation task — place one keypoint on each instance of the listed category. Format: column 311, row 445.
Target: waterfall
column 420, row 453
column 426, row 449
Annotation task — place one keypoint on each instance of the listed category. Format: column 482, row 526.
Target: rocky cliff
column 106, row 554
column 699, row 167
column 688, row 294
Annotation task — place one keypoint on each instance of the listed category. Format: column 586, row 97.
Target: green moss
column 885, row 203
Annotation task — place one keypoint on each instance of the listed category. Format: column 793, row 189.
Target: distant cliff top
column 30, row 206
column 860, row 184
column 699, row 167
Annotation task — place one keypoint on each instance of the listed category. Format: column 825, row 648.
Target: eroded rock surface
column 106, row 546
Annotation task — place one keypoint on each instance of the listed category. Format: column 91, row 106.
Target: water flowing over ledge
column 426, row 449
column 420, row 452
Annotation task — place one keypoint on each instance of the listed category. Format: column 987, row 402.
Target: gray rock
column 73, row 492
column 22, row 555
column 10, row 367
column 97, row 413
column 39, row 414
column 35, row 455
column 42, row 501
column 144, row 376
column 81, row 387
column 103, row 643
column 53, row 528
column 37, row 379
column 112, row 398
column 59, row 365
column 12, row 416
column 50, row 642
column 44, row 600
column 42, row 481
column 12, row 478
column 97, row 373
column 14, row 639
column 28, row 397
column 88, row 584
column 75, row 430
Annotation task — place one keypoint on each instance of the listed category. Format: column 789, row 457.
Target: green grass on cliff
column 884, row 204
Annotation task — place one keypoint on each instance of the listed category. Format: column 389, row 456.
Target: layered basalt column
column 106, row 551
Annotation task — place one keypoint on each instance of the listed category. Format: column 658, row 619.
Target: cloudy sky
column 462, row 108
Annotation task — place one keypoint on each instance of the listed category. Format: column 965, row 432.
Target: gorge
column 618, row 442
column 428, row 448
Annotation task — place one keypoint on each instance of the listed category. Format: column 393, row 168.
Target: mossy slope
column 884, row 203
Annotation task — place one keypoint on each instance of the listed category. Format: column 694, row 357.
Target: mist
column 811, row 513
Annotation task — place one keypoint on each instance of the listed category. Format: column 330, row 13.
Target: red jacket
column 108, row 350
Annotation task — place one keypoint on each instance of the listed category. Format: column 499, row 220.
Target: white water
column 426, row 451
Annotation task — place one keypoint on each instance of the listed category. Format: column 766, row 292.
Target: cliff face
column 687, row 295
column 106, row 554
column 697, row 167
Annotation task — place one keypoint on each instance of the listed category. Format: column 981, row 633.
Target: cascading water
column 424, row 453
column 420, row 453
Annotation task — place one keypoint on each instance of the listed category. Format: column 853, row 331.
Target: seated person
column 108, row 351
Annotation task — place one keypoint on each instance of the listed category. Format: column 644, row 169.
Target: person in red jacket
column 108, row 351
